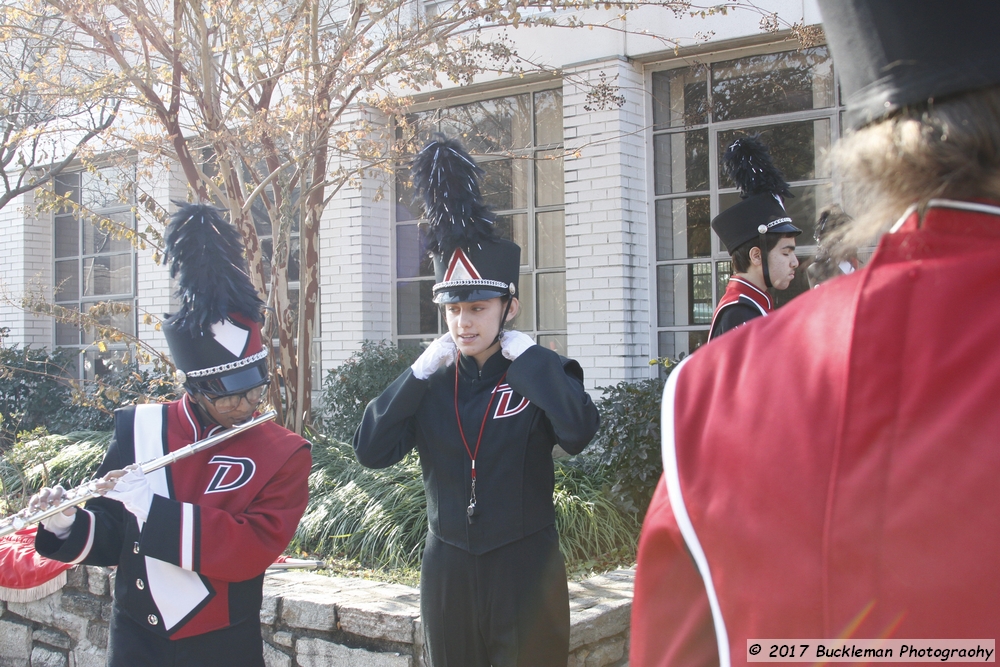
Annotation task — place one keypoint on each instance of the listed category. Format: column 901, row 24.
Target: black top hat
column 894, row 53
column 470, row 262
column 214, row 337
column 762, row 186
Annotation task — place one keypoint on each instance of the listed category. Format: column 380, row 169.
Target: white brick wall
column 607, row 273
column 26, row 265
column 355, row 258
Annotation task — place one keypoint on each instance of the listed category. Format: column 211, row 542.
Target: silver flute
column 81, row 494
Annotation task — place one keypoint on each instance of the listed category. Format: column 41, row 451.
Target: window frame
column 529, row 264
column 86, row 352
column 718, row 253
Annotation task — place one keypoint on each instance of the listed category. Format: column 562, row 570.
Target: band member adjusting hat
column 214, row 338
column 763, row 190
column 471, row 263
column 894, row 53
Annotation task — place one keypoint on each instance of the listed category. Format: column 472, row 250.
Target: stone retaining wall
column 308, row 620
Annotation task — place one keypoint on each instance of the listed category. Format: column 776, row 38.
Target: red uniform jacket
column 741, row 302
column 833, row 470
column 218, row 519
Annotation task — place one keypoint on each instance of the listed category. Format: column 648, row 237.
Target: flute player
column 192, row 540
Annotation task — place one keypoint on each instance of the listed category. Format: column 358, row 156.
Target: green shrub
column 39, row 459
column 626, row 449
column 93, row 407
column 33, row 389
column 348, row 388
column 36, row 391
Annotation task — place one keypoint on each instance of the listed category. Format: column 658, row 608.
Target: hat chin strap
column 503, row 320
column 763, row 257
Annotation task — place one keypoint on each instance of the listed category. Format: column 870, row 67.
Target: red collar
column 737, row 288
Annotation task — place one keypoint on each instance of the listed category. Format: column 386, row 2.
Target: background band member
column 832, row 472
column 758, row 234
column 833, row 257
column 484, row 408
column 192, row 540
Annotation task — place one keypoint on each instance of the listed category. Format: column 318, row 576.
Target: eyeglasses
column 230, row 402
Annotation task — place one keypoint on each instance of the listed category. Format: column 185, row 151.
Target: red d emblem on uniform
column 233, row 472
column 504, row 408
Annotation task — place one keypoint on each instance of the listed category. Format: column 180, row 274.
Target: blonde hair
column 949, row 149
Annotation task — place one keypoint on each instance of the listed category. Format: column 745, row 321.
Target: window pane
column 67, row 333
column 104, row 189
column 67, row 236
column 98, row 364
column 124, row 322
column 415, row 312
column 551, row 236
column 67, row 280
column 548, row 178
column 551, row 301
column 294, row 252
column 555, row 342
column 723, row 270
column 525, row 320
column 772, row 84
column 680, row 162
column 682, row 228
column 498, row 184
column 548, row 117
column 700, row 297
column 802, row 208
column 491, row 126
column 680, row 97
column 107, row 275
column 679, row 344
column 68, row 185
column 684, row 294
column 267, row 252
column 514, row 227
column 407, row 208
column 107, row 238
column 411, row 260
column 799, row 149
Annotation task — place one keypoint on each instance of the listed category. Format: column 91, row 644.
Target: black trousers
column 131, row 645
column 508, row 607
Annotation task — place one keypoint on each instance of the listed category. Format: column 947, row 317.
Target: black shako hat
column 762, row 188
column 471, row 263
column 214, row 338
column 890, row 54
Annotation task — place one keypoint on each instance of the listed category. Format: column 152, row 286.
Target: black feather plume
column 447, row 179
column 206, row 256
column 748, row 163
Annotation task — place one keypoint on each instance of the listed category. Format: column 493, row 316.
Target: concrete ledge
column 307, row 619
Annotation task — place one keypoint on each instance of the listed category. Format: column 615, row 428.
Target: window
column 790, row 99
column 517, row 140
column 94, row 263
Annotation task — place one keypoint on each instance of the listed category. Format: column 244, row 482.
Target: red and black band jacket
column 831, row 471
column 218, row 519
column 535, row 402
column 742, row 302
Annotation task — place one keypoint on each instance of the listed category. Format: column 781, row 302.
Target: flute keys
column 18, row 522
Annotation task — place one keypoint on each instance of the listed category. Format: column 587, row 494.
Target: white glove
column 439, row 353
column 514, row 343
column 60, row 524
column 133, row 491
